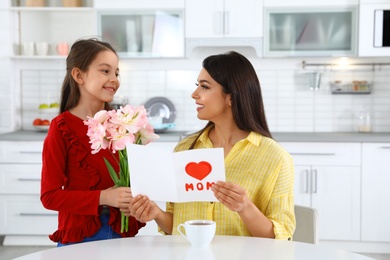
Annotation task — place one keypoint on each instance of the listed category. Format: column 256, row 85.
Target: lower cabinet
column 335, row 192
column 327, row 177
column 376, row 192
column 23, row 219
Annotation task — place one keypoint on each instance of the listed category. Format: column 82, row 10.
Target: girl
column 75, row 182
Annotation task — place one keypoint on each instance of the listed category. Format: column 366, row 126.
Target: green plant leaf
column 111, row 170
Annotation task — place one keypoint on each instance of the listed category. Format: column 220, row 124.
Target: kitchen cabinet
column 157, row 32
column 367, row 28
column 224, row 19
column 223, row 23
column 52, row 25
column 310, row 3
column 310, row 31
column 327, row 177
column 23, row 219
column 375, row 192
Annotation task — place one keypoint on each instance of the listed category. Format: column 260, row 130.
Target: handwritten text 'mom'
column 198, row 186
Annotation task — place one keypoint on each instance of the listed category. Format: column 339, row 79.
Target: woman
column 75, row 182
column 257, row 198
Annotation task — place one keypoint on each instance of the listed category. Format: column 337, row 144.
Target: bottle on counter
column 364, row 125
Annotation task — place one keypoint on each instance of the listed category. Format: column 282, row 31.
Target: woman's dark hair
column 236, row 75
column 82, row 53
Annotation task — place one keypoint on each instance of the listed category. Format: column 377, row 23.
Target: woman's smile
column 199, row 107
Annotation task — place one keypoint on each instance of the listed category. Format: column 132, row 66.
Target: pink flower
column 115, row 129
column 146, row 133
column 97, row 131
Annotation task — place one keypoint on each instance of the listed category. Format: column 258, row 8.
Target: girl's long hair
column 82, row 53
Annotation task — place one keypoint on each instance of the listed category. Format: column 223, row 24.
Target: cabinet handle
column 28, row 179
column 30, row 152
column 226, row 23
column 314, row 182
column 38, row 214
column 314, row 154
column 307, row 181
column 218, row 22
column 385, row 147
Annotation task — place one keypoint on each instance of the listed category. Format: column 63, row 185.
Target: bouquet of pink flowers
column 115, row 129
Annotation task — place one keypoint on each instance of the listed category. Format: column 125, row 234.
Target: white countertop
column 175, row 136
column 177, row 247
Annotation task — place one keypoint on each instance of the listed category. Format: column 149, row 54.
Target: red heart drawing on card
column 198, row 170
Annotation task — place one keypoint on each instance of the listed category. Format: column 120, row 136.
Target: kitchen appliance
column 374, row 29
column 163, row 108
column 382, row 28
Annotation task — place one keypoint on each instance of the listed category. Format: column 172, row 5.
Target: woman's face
column 212, row 103
column 101, row 81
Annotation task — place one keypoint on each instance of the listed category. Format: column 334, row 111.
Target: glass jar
column 364, row 125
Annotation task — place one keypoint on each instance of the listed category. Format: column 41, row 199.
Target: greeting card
column 177, row 177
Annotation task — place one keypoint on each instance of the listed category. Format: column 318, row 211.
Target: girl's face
column 101, row 81
column 212, row 103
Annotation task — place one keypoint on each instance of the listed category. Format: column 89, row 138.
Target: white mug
column 198, row 232
column 42, row 48
column 28, row 48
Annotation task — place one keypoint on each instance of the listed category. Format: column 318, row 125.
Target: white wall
column 291, row 106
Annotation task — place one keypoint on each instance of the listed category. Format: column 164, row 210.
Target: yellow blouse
column 264, row 169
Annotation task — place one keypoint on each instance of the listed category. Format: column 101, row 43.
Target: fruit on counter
column 43, row 106
column 37, row 121
column 45, row 122
column 54, row 105
column 40, row 121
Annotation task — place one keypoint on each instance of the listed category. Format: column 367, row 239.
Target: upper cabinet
column 374, row 28
column 224, row 19
column 144, row 29
column 310, row 31
column 224, row 23
column 143, row 33
column 47, row 28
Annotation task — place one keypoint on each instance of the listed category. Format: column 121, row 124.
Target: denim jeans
column 105, row 232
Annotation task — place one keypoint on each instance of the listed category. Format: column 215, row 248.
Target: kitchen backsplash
column 290, row 104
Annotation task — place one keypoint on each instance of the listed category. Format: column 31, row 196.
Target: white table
column 177, row 247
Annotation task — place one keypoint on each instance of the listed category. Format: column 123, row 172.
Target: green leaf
column 111, row 170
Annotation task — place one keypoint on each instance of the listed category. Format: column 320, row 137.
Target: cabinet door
column 21, row 152
column 25, row 215
column 224, row 19
column 336, row 196
column 302, row 192
column 243, row 19
column 20, row 178
column 376, row 192
column 143, row 33
column 308, row 32
column 204, row 18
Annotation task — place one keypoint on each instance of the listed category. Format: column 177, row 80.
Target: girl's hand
column 231, row 195
column 118, row 197
column 143, row 209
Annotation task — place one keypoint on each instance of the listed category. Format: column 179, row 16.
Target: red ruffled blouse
column 72, row 178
